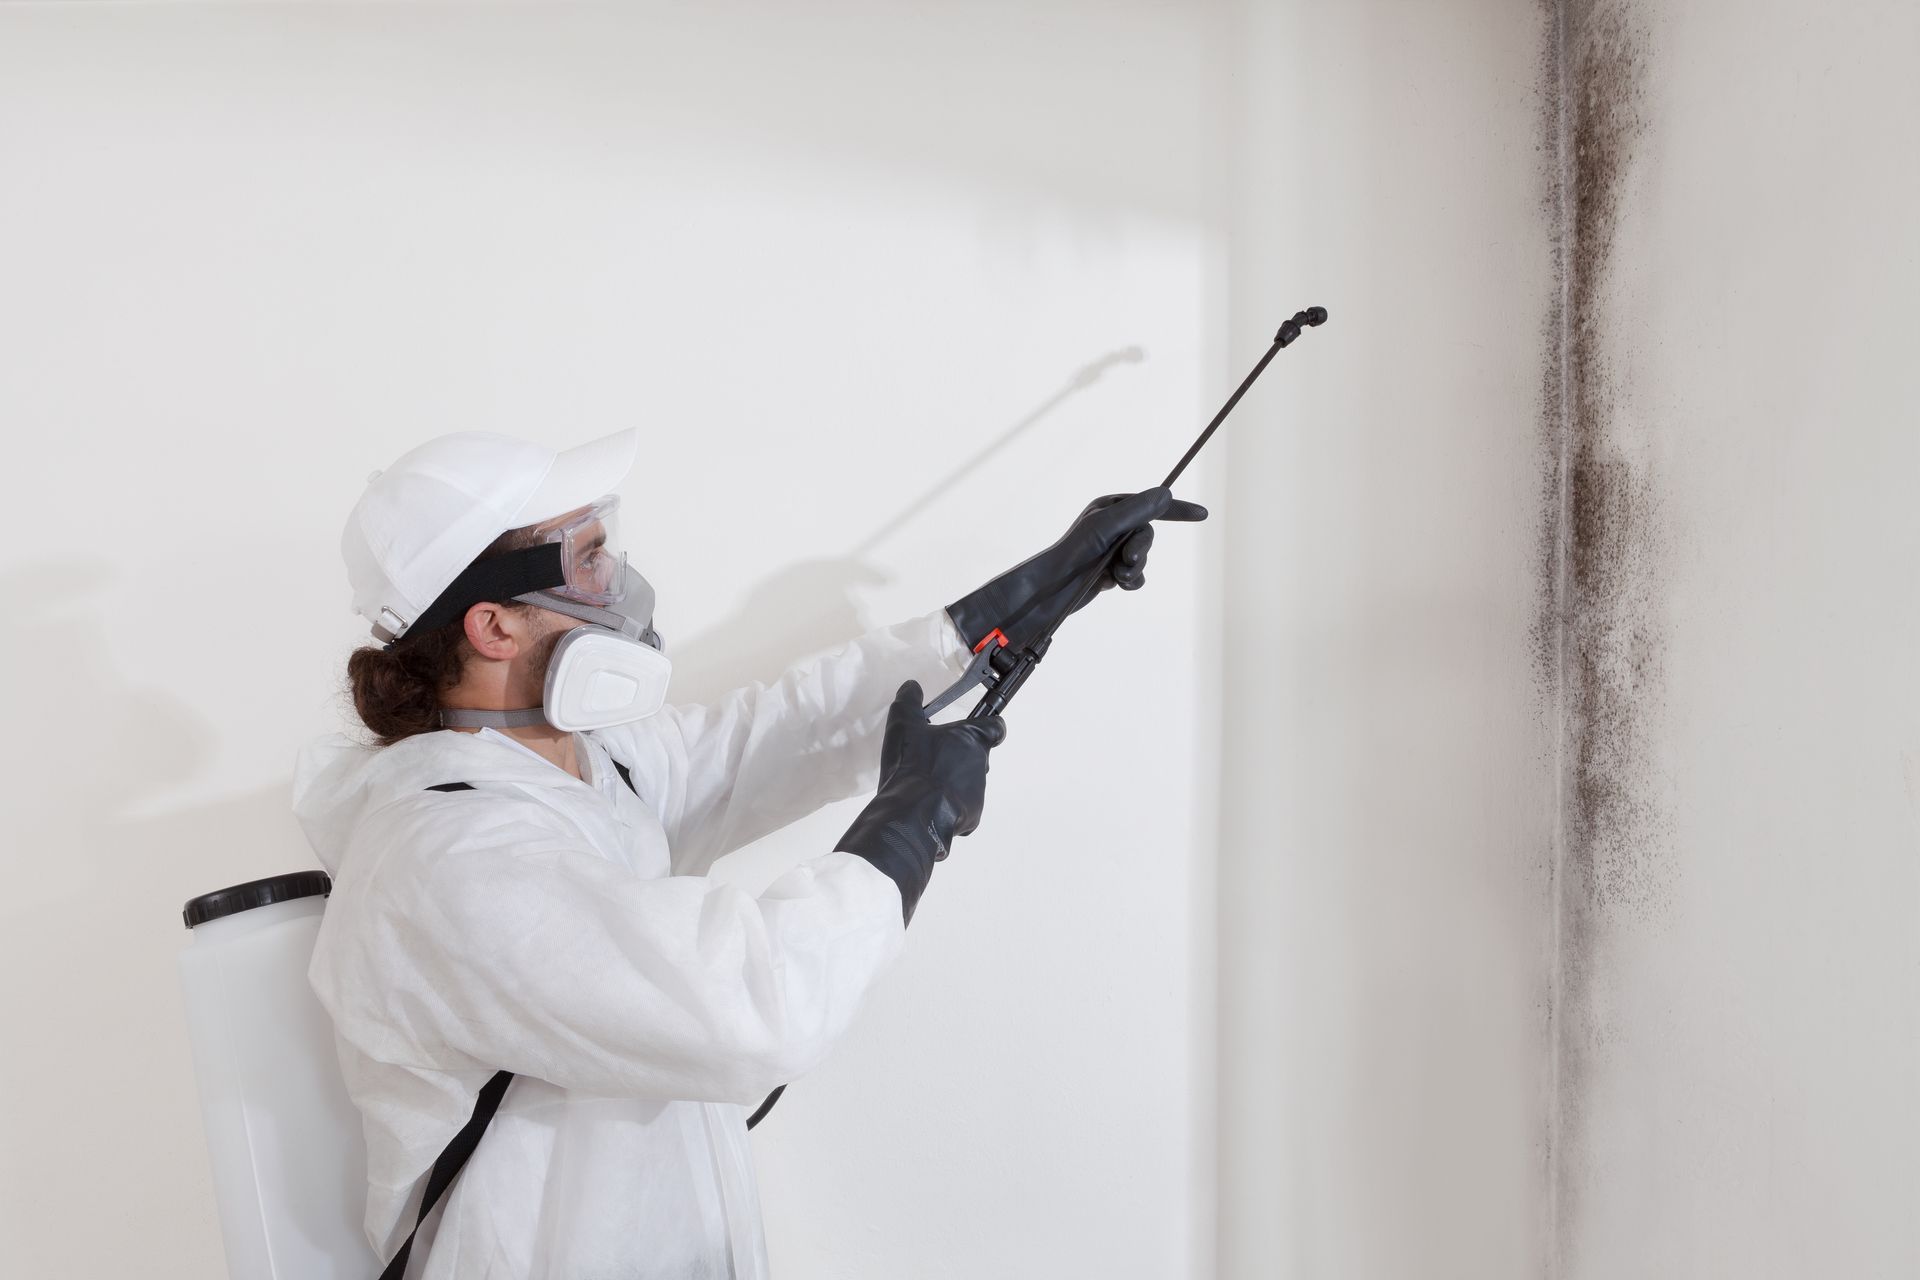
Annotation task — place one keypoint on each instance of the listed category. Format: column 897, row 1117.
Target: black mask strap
column 496, row 578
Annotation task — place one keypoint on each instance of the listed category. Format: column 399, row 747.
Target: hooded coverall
column 565, row 930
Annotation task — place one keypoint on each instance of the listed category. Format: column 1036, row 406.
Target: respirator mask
column 613, row 670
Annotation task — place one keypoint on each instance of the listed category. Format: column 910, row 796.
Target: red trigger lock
column 995, row 634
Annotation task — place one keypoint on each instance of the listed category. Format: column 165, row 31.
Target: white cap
column 426, row 517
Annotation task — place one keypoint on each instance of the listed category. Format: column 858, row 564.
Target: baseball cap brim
column 579, row 475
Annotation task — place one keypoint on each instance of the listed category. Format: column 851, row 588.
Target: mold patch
column 1610, row 607
column 1600, row 637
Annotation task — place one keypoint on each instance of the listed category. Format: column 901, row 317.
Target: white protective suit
column 565, row 931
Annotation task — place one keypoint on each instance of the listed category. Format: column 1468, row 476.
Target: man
column 519, row 862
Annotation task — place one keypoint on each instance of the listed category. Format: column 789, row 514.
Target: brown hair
column 396, row 691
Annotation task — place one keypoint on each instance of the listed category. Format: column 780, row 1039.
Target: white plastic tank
column 289, row 1161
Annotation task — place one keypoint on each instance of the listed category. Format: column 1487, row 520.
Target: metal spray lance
column 1002, row 672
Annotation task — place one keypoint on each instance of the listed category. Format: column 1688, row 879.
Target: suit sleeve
column 767, row 755
column 509, row 945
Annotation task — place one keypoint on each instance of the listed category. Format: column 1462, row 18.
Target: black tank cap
column 256, row 893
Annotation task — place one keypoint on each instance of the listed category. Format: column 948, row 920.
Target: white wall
column 1387, row 787
column 1740, row 989
column 827, row 256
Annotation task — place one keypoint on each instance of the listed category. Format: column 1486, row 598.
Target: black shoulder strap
column 462, row 1146
column 765, row 1107
column 625, row 777
column 454, row 1158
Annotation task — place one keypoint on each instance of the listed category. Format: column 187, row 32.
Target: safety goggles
column 590, row 556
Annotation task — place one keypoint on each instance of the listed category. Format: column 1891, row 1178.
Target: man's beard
column 545, row 640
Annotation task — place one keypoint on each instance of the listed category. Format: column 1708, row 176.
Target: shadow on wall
column 89, row 750
column 814, row 605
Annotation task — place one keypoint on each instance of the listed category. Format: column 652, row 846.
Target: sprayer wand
column 1002, row 672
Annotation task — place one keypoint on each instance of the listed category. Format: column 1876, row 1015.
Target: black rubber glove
column 1025, row 600
column 933, row 785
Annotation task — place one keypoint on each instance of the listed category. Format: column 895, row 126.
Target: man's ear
column 495, row 631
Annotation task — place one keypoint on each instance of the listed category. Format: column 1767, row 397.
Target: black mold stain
column 1600, row 639
column 1612, row 635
